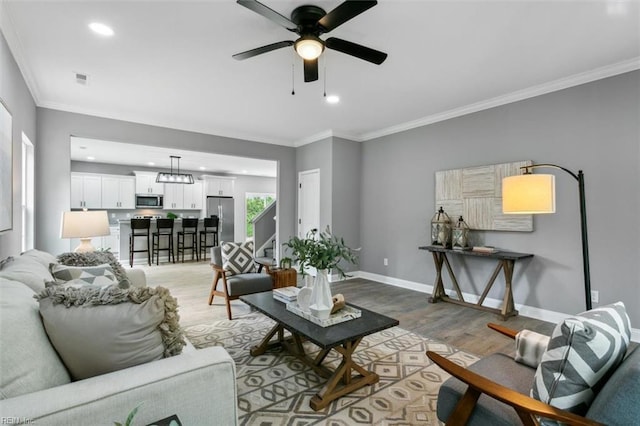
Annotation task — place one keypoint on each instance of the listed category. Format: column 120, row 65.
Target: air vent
column 82, row 79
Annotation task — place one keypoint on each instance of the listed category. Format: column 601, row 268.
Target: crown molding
column 531, row 92
column 15, row 46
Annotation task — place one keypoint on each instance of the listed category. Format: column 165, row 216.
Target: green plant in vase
column 322, row 251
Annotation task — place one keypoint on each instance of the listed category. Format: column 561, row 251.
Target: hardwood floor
column 459, row 326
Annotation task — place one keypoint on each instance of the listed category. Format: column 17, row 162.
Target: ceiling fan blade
column 344, row 12
column 310, row 70
column 357, row 50
column 268, row 13
column 260, row 50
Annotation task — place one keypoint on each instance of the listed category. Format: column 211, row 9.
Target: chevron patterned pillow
column 237, row 258
column 583, row 351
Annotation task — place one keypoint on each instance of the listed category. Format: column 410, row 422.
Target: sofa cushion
column 100, row 275
column 582, row 353
column 95, row 258
column 27, row 270
column 499, row 368
column 237, row 258
column 42, row 257
column 97, row 331
column 28, row 362
column 617, row 402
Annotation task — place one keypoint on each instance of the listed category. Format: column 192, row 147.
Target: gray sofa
column 35, row 386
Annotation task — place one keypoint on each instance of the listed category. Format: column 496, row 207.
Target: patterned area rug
column 275, row 388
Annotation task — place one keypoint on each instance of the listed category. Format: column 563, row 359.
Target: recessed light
column 151, row 163
column 91, row 158
column 333, row 99
column 245, row 172
column 203, row 168
column 101, row 29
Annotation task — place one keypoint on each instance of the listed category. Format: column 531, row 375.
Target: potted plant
column 323, row 251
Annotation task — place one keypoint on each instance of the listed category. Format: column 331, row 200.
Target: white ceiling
column 169, row 63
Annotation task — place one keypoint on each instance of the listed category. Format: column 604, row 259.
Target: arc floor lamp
column 535, row 194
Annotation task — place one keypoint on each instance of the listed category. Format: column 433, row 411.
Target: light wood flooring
column 462, row 327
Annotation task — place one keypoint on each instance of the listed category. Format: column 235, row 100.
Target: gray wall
column 17, row 98
column 346, row 190
column 339, row 161
column 53, row 178
column 317, row 155
column 594, row 127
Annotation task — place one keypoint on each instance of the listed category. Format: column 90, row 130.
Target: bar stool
column 139, row 228
column 210, row 228
column 189, row 229
column 164, row 229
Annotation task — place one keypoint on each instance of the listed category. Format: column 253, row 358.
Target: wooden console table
column 506, row 261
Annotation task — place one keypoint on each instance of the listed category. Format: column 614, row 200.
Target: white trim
column 528, row 311
column 519, row 95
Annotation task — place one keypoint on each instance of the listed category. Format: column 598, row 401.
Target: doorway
column 308, row 201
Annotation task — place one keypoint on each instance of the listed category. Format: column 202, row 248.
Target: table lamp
column 536, row 194
column 84, row 225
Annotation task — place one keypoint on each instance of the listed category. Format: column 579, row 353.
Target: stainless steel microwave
column 149, row 201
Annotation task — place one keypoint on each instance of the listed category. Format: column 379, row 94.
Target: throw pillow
column 97, row 331
column 101, row 275
column 95, row 258
column 28, row 362
column 530, row 346
column 583, row 351
column 237, row 258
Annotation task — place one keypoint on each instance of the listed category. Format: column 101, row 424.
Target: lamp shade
column 84, row 225
column 529, row 194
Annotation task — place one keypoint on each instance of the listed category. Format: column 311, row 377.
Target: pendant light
column 185, row 178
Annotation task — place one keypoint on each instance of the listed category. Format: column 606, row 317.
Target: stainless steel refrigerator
column 223, row 208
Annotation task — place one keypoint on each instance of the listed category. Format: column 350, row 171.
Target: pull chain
column 325, row 75
column 293, row 80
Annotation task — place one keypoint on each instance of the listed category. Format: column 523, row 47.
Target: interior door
column 308, row 201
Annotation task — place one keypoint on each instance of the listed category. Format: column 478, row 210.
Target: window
column 28, row 190
column 255, row 204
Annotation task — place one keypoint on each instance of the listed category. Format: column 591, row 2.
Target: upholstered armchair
column 496, row 390
column 235, row 282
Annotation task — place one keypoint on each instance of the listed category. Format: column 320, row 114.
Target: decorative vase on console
column 321, row 302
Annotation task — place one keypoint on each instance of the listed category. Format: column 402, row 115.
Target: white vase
column 321, row 303
column 304, row 296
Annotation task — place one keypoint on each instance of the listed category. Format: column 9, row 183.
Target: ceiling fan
column 309, row 22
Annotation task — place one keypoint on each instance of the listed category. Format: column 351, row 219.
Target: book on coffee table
column 345, row 314
column 286, row 294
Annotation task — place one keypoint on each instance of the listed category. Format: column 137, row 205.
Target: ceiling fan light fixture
column 309, row 47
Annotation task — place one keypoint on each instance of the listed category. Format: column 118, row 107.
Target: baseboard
column 527, row 311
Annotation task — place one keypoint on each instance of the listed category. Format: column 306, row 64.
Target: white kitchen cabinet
column 112, row 241
column 174, row 196
column 183, row 196
column 219, row 186
column 193, row 196
column 86, row 191
column 146, row 183
column 118, row 192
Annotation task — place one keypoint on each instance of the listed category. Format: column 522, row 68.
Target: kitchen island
column 141, row 258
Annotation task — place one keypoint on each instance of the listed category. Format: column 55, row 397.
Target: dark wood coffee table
column 344, row 338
